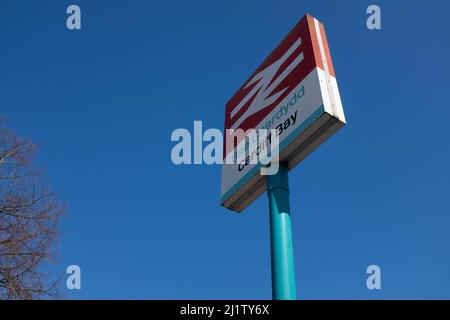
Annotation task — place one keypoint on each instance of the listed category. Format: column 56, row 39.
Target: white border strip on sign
column 326, row 67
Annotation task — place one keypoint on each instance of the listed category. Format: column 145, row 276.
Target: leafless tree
column 29, row 216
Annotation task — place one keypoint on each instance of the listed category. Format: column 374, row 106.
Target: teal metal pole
column 282, row 253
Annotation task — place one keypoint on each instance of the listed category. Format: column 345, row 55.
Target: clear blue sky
column 102, row 103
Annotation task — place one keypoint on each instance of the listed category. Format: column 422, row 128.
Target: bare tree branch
column 29, row 216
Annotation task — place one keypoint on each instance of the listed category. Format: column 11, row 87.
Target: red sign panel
column 288, row 64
